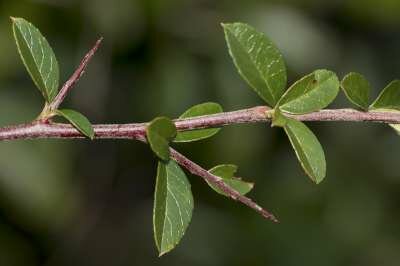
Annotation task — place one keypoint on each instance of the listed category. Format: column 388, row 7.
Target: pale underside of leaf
column 308, row 150
column 208, row 108
column 38, row 57
column 226, row 172
column 258, row 61
column 311, row 93
column 173, row 206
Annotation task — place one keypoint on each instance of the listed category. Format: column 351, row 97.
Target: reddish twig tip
column 70, row 83
column 195, row 169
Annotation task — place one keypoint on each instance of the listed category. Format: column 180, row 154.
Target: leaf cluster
column 260, row 63
column 42, row 66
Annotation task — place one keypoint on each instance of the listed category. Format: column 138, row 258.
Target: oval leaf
column 160, row 132
column 356, row 88
column 226, row 172
column 199, row 110
column 311, row 93
column 258, row 60
column 173, row 206
column 389, row 98
column 38, row 57
column 307, row 148
column 79, row 121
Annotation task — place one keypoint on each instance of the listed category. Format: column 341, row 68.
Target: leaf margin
column 66, row 113
column 48, row 94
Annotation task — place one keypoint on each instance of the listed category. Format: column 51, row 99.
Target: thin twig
column 195, row 169
column 69, row 84
column 38, row 129
column 137, row 131
column 43, row 128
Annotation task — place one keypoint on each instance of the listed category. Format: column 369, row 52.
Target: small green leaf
column 79, row 121
column 356, row 88
column 308, row 150
column 173, row 206
column 311, row 93
column 226, row 172
column 396, row 127
column 208, row 108
column 258, row 61
column 38, row 57
column 389, row 98
column 160, row 132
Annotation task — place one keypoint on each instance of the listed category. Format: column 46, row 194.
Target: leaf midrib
column 307, row 166
column 307, row 93
column 258, row 70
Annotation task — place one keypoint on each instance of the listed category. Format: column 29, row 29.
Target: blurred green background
column 90, row 203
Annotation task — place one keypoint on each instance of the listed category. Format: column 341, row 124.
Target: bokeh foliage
column 81, row 203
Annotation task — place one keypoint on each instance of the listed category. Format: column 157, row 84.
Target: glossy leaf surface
column 389, row 98
column 258, row 61
column 357, row 89
column 38, row 57
column 173, row 206
column 311, row 93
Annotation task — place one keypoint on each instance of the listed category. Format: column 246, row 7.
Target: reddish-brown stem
column 195, row 169
column 43, row 128
column 38, row 129
column 70, row 83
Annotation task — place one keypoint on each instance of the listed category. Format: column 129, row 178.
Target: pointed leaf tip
column 37, row 56
column 208, row 108
column 173, row 206
column 79, row 121
column 308, row 150
column 257, row 60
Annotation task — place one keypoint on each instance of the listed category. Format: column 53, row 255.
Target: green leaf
column 173, row 206
column 38, row 57
column 311, row 93
column 278, row 119
column 226, row 172
column 258, row 61
column 308, row 150
column 396, row 127
column 208, row 108
column 79, row 121
column 356, row 88
column 389, row 98
column 160, row 132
